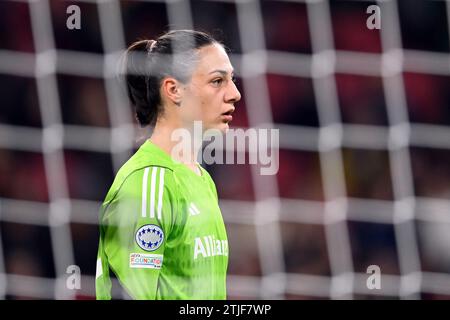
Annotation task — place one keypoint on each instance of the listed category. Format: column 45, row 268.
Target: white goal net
column 364, row 167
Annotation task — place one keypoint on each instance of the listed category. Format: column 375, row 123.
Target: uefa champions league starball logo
column 149, row 237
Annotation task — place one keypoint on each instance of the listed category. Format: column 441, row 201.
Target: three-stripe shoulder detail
column 152, row 192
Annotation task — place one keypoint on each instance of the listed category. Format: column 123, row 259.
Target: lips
column 229, row 112
column 227, row 117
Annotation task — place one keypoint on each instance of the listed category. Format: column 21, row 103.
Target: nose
column 233, row 95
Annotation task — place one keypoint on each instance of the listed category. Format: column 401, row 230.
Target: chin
column 220, row 128
column 224, row 127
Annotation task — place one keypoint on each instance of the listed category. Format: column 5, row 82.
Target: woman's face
column 211, row 93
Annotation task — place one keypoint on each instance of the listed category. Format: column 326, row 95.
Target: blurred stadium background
column 364, row 119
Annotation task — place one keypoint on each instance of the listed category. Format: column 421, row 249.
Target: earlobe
column 177, row 95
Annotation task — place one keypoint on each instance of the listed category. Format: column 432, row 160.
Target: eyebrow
column 223, row 72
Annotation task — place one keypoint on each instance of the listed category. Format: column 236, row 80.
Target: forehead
column 213, row 57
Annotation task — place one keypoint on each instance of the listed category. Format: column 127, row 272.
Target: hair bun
column 151, row 44
column 136, row 78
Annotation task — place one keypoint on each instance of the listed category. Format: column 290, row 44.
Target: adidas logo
column 193, row 210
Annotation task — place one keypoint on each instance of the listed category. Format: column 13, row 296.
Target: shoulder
column 145, row 180
column 149, row 192
column 143, row 165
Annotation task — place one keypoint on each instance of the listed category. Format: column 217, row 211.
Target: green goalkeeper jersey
column 161, row 231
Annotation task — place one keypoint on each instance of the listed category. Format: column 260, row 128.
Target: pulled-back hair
column 147, row 62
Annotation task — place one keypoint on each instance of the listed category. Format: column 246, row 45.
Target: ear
column 171, row 89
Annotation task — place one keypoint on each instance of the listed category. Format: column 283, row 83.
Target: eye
column 233, row 78
column 217, row 82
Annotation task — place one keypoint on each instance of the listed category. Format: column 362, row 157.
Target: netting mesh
column 364, row 143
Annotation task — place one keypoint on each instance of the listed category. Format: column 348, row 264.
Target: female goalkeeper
column 161, row 229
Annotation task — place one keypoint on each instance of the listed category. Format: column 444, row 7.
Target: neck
column 181, row 143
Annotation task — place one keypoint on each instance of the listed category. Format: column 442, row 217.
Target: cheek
column 205, row 108
column 210, row 105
